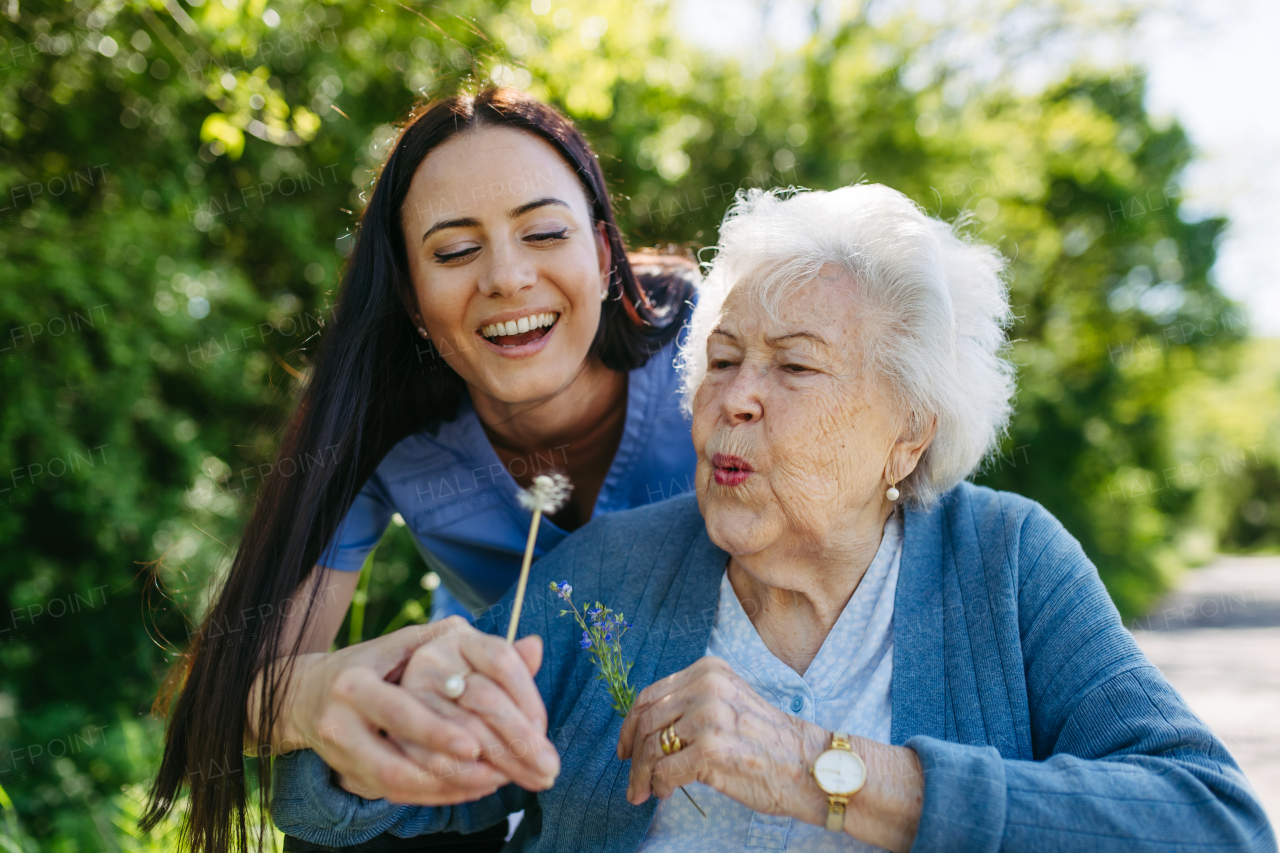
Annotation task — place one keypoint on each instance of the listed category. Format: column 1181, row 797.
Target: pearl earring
column 892, row 494
column 422, row 331
column 604, row 294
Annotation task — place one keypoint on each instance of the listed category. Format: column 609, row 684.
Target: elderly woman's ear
column 906, row 453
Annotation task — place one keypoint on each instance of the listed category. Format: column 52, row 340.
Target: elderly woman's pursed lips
column 730, row 470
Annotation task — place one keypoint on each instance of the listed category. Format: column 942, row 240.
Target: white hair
column 937, row 310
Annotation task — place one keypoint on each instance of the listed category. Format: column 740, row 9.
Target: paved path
column 1217, row 639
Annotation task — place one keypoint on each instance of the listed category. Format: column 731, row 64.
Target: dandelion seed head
column 549, row 493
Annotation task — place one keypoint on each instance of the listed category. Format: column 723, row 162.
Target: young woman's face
column 507, row 267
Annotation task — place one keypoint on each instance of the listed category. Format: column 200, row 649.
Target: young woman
column 491, row 326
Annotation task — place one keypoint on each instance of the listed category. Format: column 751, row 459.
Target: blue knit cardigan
column 1039, row 723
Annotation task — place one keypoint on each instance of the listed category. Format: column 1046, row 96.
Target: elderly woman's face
column 792, row 431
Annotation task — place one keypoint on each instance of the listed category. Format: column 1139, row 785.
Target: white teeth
column 520, row 326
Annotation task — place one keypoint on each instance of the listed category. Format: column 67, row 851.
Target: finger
column 449, row 780
column 523, row 751
column 530, row 648
column 399, row 713
column 372, row 764
column 389, row 653
column 648, row 753
column 501, row 663
column 651, row 697
column 504, row 730
column 517, row 744
column 461, row 782
column 515, row 755
column 670, row 698
column 432, row 665
column 672, row 771
column 659, row 711
column 352, row 786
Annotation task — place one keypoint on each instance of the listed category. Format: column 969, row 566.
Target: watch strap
column 835, row 812
column 836, row 802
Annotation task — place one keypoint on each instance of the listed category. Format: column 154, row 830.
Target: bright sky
column 1213, row 65
column 1218, row 75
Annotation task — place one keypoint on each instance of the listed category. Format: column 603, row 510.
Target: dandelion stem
column 524, row 575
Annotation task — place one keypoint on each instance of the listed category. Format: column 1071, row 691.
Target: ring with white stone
column 456, row 685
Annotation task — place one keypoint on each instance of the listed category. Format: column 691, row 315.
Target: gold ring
column 671, row 743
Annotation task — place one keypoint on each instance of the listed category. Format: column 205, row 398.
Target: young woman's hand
column 378, row 736
column 499, row 707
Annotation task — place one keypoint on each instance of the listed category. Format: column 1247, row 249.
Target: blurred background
column 179, row 184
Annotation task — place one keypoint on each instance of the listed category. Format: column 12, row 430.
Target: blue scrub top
column 460, row 504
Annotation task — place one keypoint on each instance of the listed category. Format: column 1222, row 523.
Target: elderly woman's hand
column 737, row 743
column 734, row 741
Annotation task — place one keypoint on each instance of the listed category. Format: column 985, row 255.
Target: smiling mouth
column 524, row 330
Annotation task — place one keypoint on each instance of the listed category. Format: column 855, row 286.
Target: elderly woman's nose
column 741, row 401
column 507, row 273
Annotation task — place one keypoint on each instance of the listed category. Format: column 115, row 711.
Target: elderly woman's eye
column 720, row 364
column 796, row 368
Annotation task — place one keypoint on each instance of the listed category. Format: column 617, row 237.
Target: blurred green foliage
column 178, row 188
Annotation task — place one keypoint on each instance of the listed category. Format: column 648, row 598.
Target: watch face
column 839, row 771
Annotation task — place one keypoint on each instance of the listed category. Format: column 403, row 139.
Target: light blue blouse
column 460, row 502
column 845, row 689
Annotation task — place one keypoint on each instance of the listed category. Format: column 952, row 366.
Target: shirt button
column 797, row 704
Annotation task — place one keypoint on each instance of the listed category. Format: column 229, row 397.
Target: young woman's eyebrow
column 471, row 222
column 467, row 222
column 534, row 205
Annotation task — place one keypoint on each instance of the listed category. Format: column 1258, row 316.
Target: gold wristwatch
column 840, row 773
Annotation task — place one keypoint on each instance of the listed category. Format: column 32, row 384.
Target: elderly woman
column 845, row 646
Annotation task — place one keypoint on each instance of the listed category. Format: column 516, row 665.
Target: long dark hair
column 374, row 382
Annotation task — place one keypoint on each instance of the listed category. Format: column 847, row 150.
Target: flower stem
column 524, row 575
column 695, row 805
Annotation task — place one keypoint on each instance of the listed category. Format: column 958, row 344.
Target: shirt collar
column 866, row 616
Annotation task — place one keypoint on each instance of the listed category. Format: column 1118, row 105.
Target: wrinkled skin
column 818, row 429
column 738, row 743
column 790, row 397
